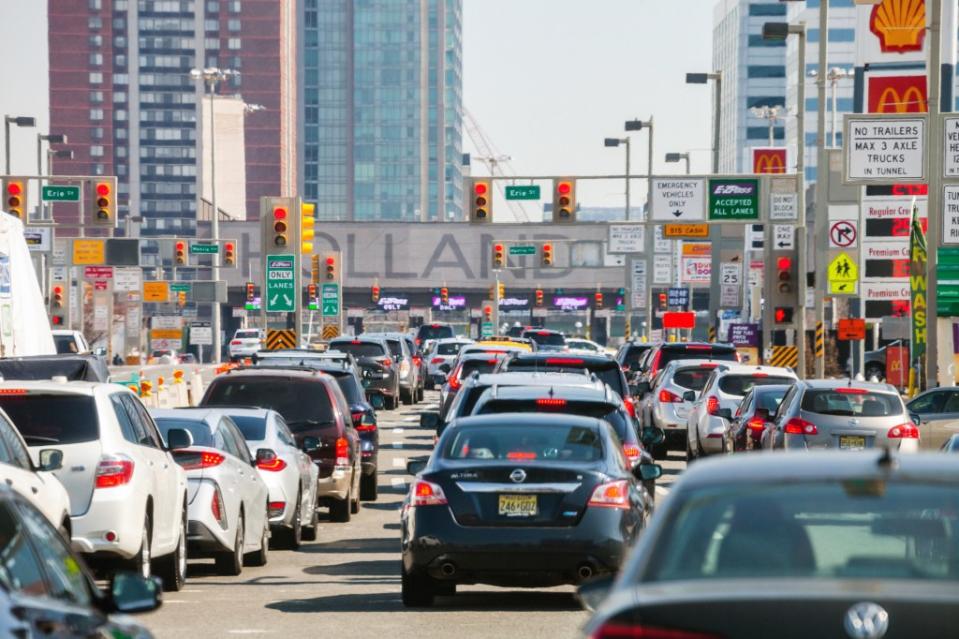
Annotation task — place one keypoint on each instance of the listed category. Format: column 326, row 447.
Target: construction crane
column 498, row 164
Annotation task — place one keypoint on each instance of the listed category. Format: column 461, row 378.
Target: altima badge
column 866, row 620
column 518, row 476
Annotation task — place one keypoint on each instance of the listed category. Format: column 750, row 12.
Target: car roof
column 543, row 356
column 452, row 340
column 295, row 373
column 537, row 378
column 679, row 346
column 478, row 355
column 366, row 337
column 208, row 415
column 263, row 413
column 529, row 419
column 733, row 368
column 577, row 393
column 694, row 363
column 829, row 384
column 71, row 388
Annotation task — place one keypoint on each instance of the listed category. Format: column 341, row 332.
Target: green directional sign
column 180, row 287
column 522, row 249
column 733, row 199
column 54, row 193
column 522, row 192
column 281, row 291
column 947, row 286
column 204, row 249
column 486, row 330
column 330, row 300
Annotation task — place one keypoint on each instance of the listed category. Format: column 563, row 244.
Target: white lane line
column 250, row 631
column 397, row 482
column 662, row 490
column 397, row 444
column 399, row 462
column 398, row 431
column 411, row 420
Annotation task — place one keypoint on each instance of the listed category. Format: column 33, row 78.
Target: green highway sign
column 486, row 330
column 204, row 249
column 947, row 285
column 54, row 193
column 330, row 300
column 522, row 249
column 180, row 287
column 281, row 291
column 733, row 199
column 523, row 192
column 252, row 306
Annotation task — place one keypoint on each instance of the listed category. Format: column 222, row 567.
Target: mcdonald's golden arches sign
column 769, row 160
column 897, row 94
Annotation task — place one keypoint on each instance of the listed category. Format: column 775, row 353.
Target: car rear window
column 607, row 371
column 482, row 365
column 599, row 410
column 741, row 384
column 851, row 402
column 524, row 443
column 771, row 399
column 546, row 338
column 692, row 378
column 253, row 428
column 304, row 405
column 351, row 388
column 200, row 430
column 360, row 349
column 65, row 344
column 633, row 355
column 699, row 352
column 433, row 331
column 247, row 335
column 448, row 349
column 395, row 349
column 45, row 419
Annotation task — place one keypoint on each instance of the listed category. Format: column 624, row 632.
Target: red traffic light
column 279, row 213
column 480, row 188
column 228, row 246
column 783, row 315
column 564, row 188
column 784, row 263
column 14, row 188
column 330, row 261
column 180, row 246
column 58, row 290
column 103, row 188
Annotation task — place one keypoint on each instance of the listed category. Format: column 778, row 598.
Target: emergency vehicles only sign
column 884, row 149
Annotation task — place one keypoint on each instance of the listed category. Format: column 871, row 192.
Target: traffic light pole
column 821, row 222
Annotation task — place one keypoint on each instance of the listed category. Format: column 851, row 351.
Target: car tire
column 355, row 503
column 660, row 451
column 230, row 562
column 418, row 590
column 340, row 509
column 690, row 457
column 389, row 403
column 140, row 562
column 368, row 487
column 407, row 397
column 292, row 538
column 172, row 568
column 262, row 556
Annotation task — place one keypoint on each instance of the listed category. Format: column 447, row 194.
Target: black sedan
column 795, row 545
column 755, row 411
column 522, row 500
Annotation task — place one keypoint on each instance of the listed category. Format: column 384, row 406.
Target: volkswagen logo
column 866, row 620
column 518, row 476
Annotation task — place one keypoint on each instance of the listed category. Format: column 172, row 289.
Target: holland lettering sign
column 678, row 199
column 733, row 199
column 884, row 149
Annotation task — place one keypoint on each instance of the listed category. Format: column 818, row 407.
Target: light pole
column 614, row 142
column 211, row 77
column 676, row 157
column 19, row 120
column 59, row 154
column 52, row 138
column 717, row 78
column 771, row 114
column 834, row 76
column 639, row 125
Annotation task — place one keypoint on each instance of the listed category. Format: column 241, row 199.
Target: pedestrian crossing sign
column 843, row 275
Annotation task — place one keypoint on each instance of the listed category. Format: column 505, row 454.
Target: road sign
column 522, row 192
column 662, row 269
column 685, row 230
column 98, row 272
column 156, row 292
column 950, row 163
column 686, row 319
column 677, row 296
column 330, row 299
column 204, row 249
column 843, row 275
column 201, row 334
column 950, row 214
column 678, row 199
column 180, row 287
column 784, row 206
column 884, row 148
column 851, row 330
column 733, row 199
column 784, row 237
column 947, row 275
column 638, row 283
column 127, row 280
column 89, row 251
column 486, row 330
column 660, row 243
column 729, row 295
column 57, row 193
column 522, row 249
column 281, row 293
column 843, row 234
column 625, row 238
column 730, row 273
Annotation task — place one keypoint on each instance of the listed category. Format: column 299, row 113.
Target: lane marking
column 397, row 482
column 398, row 431
column 399, row 462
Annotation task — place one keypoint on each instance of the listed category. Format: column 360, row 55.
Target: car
column 518, row 330
column 69, row 342
column 711, row 412
column 440, row 357
column 792, row 546
column 34, row 482
column 406, row 368
column 420, row 366
column 466, row 364
column 748, row 424
column 951, row 445
column 519, row 499
column 85, row 367
column 841, row 414
column 289, row 473
column 318, row 415
column 657, row 357
column 936, row 412
column 128, row 496
column 228, row 499
column 666, row 406
column 546, row 340
column 380, row 370
column 47, row 590
column 433, row 330
column 246, row 342
column 580, row 344
column 630, row 355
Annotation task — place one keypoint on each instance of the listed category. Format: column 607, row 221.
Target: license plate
column 851, row 442
column 517, row 505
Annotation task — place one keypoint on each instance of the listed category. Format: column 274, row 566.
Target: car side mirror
column 592, row 593
column 178, row 438
column 689, row 396
column 647, row 472
column 725, row 413
column 310, row 444
column 652, row 436
column 131, row 593
column 51, row 459
column 415, row 466
column 430, row 419
column 915, row 418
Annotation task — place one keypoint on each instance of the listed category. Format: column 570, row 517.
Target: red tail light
column 454, row 378
column 846, row 390
column 195, row 459
column 342, row 452
column 654, row 365
column 756, row 424
column 114, row 470
column 520, row 456
column 551, row 402
column 387, row 362
column 437, row 360
column 235, row 342
column 698, row 347
column 797, row 426
column 712, row 406
column 630, row 404
column 365, row 426
column 614, row 494
column 275, row 508
column 417, row 360
column 632, row 453
column 760, row 374
column 668, row 397
column 903, row 431
column 612, row 630
column 217, row 509
column 424, row 493
column 274, row 464
column 563, row 361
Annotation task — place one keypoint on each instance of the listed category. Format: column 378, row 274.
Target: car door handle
column 34, row 489
column 9, row 482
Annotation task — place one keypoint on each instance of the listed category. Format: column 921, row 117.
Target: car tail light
column 903, row 431
column 417, row 360
column 712, row 405
column 235, row 342
column 366, row 426
column 697, row 347
column 756, row 424
column 195, row 459
column 520, row 456
column 760, row 374
column 668, row 397
column 13, row 391
column 454, row 378
column 632, row 453
column 275, row 508
column 437, row 360
column 425, row 493
column 613, row 630
column 114, row 470
column 630, row 404
column 846, row 390
column 563, row 361
column 387, row 362
column 709, row 365
column 273, row 464
column 342, row 452
column 217, row 509
column 551, row 402
column 797, row 426
column 614, row 494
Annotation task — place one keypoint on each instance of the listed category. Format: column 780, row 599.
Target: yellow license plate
column 517, row 505
column 849, row 442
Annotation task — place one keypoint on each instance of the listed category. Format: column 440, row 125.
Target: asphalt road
column 347, row 583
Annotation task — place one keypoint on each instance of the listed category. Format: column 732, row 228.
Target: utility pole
column 821, row 223
column 934, row 153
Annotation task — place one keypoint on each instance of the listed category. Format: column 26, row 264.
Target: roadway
column 347, row 583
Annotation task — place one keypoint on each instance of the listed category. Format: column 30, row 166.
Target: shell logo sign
column 897, row 94
column 769, row 160
column 900, row 25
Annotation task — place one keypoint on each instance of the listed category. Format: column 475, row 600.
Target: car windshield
column 360, row 349
column 433, row 331
column 851, row 402
column 599, row 410
column 253, row 428
column 65, row 344
column 302, row 404
column 482, row 365
column 692, row 378
column 448, row 349
column 351, row 388
column 53, row 419
column 856, row 529
column 525, row 442
column 546, row 338
column 241, row 334
column 742, row 384
column 633, row 355
column 395, row 349
column 696, row 352
column 199, row 429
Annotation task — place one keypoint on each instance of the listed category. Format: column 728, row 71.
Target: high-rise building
column 120, row 88
column 381, row 108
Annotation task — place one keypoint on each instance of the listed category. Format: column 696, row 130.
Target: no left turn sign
column 843, row 234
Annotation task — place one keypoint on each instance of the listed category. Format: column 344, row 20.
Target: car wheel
column 355, row 492
column 660, row 451
column 340, row 509
column 261, row 556
column 231, row 561
column 172, row 568
column 291, row 538
column 389, row 403
column 689, row 452
column 368, row 487
column 418, row 590
column 407, row 397
column 140, row 562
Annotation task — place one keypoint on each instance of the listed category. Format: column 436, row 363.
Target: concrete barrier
column 196, row 388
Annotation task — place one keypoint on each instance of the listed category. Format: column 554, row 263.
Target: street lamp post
column 676, row 157
column 19, row 120
column 614, row 142
column 639, row 125
column 834, row 76
column 52, row 138
column 771, row 115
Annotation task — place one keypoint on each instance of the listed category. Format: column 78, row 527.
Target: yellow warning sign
column 156, row 292
column 89, row 252
column 843, row 275
column 685, row 230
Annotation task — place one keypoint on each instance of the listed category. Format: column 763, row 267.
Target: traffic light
column 784, row 275
column 375, row 293
column 280, row 230
column 249, row 292
column 59, row 303
column 181, row 298
column 502, row 290
column 229, row 253
column 539, row 297
column 783, row 315
column 662, row 302
column 331, row 268
column 307, row 223
column 104, row 201
column 784, row 290
column 488, row 313
column 15, row 194
column 499, row 256
column 598, row 299
column 311, row 292
column 179, row 253
column 564, row 201
column 480, row 193
column 444, row 296
column 547, row 254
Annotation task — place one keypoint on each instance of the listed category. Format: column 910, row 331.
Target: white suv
column 246, row 342
column 127, row 494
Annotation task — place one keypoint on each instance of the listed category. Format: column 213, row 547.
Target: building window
column 119, row 97
column 96, row 114
column 120, row 42
column 835, row 35
column 96, row 96
column 96, row 59
column 120, row 78
column 233, row 24
column 765, row 100
column 95, row 23
column 96, row 78
column 96, row 133
column 766, row 71
column 95, row 5
column 96, row 151
column 235, row 6
column 96, row 41
column 762, row 133
column 233, row 43
column 212, row 7
column 757, row 40
column 767, row 9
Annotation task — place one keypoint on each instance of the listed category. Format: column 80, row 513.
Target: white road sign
column 784, row 237
column 638, row 281
column 662, row 269
column 679, row 199
column 884, row 149
column 730, row 273
column 950, row 215
column 201, row 334
column 626, row 238
column 660, row 243
column 127, row 279
column 729, row 295
column 950, row 163
column 784, row 206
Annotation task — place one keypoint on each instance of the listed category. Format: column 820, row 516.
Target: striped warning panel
column 787, row 356
column 820, row 340
column 331, row 331
column 712, row 333
column 280, row 339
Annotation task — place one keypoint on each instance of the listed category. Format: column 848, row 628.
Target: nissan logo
column 866, row 620
column 518, row 476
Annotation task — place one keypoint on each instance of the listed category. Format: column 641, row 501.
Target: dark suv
column 379, row 368
column 546, row 340
column 317, row 413
column 630, row 355
column 434, row 330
